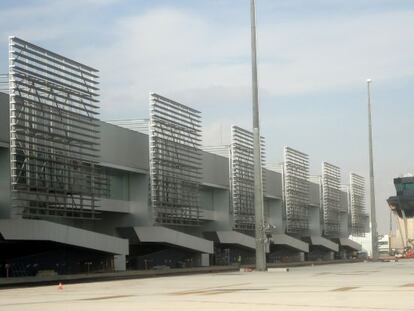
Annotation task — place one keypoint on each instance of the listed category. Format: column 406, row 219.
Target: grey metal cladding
column 137, row 125
column 4, row 83
column 123, row 148
column 358, row 213
column 296, row 188
column 242, row 178
column 215, row 170
column 175, row 161
column 54, row 134
column 331, row 199
column 4, row 120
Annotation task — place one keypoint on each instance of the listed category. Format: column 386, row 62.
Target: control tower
column 402, row 206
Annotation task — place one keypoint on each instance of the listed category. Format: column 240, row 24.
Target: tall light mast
column 258, row 181
column 374, row 233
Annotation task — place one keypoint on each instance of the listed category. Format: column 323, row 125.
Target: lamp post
column 374, row 234
column 258, row 181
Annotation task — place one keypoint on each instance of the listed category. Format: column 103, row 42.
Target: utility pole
column 258, row 181
column 374, row 233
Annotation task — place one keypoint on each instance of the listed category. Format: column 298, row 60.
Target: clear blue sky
column 314, row 57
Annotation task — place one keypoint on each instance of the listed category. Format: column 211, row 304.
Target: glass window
column 118, row 185
column 404, row 186
column 207, row 199
column 409, row 186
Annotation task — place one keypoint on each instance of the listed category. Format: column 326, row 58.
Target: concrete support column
column 202, row 260
column 205, row 260
column 120, row 262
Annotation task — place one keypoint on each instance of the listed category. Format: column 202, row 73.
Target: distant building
column 78, row 194
column 384, row 245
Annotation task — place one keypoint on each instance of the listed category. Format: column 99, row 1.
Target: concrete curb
column 111, row 276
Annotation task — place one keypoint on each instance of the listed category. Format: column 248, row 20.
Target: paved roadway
column 357, row 286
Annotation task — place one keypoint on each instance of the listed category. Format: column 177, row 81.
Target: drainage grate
column 343, row 289
column 107, row 297
column 216, row 291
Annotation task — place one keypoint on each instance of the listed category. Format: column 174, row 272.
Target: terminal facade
column 78, row 194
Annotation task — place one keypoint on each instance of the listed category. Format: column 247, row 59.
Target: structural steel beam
column 175, row 161
column 54, row 134
column 296, row 191
column 358, row 213
column 331, row 199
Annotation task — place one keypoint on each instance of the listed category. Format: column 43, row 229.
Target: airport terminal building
column 78, row 194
